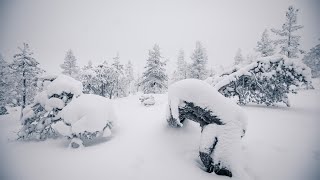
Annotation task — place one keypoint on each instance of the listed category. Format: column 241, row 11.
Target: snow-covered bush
column 85, row 118
column 37, row 118
column 147, row 100
column 266, row 81
column 222, row 121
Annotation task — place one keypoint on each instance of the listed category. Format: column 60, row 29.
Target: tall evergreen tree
column 289, row 43
column 25, row 70
column 129, row 77
column 86, row 77
column 199, row 59
column 154, row 77
column 119, row 76
column 4, row 84
column 312, row 59
column 265, row 46
column 238, row 59
column 182, row 66
column 69, row 66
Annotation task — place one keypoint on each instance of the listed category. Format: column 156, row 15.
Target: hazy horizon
column 98, row 30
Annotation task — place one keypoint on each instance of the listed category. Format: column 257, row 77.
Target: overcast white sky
column 97, row 30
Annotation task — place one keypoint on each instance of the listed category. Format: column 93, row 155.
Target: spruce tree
column 69, row 66
column 25, row 71
column 119, row 76
column 154, row 76
column 86, row 77
column 129, row 77
column 199, row 59
column 4, row 84
column 312, row 59
column 182, row 66
column 289, row 43
column 265, row 46
column 238, row 59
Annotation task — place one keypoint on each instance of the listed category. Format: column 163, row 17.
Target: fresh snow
column 89, row 113
column 281, row 144
column 65, row 84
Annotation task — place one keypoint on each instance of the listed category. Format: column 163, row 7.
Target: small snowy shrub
column 37, row 118
column 147, row 100
column 85, row 118
column 266, row 81
column 222, row 121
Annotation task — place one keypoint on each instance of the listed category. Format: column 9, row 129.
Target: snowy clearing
column 281, row 144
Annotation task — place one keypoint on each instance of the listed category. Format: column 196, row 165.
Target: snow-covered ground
column 281, row 144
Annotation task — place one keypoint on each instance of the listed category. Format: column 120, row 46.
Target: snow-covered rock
column 223, row 122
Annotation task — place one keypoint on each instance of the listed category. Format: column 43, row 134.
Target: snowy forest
column 181, row 116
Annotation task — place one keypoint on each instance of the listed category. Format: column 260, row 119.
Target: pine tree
column 265, row 46
column 238, row 59
column 86, row 77
column 69, row 66
column 154, row 77
column 119, row 77
column 25, row 69
column 129, row 77
column 289, row 44
column 312, row 59
column 104, row 80
column 4, row 84
column 182, row 66
column 199, row 59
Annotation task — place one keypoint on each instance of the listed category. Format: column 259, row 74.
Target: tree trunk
column 24, row 94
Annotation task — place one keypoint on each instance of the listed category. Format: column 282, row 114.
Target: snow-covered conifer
column 119, row 79
column 25, row 71
column 69, row 66
column 104, row 80
column 198, row 67
column 182, row 66
column 265, row 46
column 238, row 59
column 86, row 77
column 128, row 71
column 37, row 118
column 196, row 100
column 154, row 76
column 267, row 81
column 4, row 84
column 312, row 59
column 289, row 43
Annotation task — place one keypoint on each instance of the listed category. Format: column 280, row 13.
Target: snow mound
column 88, row 113
column 65, row 84
column 147, row 99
